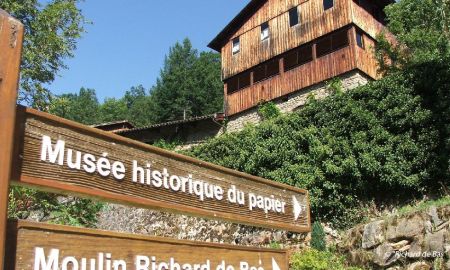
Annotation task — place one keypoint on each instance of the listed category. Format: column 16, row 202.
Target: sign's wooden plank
column 11, row 35
column 40, row 246
column 57, row 154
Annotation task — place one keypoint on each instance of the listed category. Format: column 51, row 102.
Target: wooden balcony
column 320, row 69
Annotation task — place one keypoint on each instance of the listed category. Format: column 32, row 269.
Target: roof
column 124, row 122
column 251, row 8
column 215, row 116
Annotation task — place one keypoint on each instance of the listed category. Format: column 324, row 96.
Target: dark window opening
column 332, row 42
column 359, row 39
column 238, row 82
column 259, row 73
column 293, row 16
column 323, row 46
column 305, row 54
column 266, row 70
column 291, row 60
column 232, row 85
column 298, row 57
column 327, row 4
column 339, row 40
column 273, row 68
column 265, row 31
column 244, row 80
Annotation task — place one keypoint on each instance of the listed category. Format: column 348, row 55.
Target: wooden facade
column 256, row 70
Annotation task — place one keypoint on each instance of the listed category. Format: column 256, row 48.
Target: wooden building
column 274, row 49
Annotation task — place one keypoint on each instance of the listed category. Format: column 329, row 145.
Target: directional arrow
column 297, row 208
column 275, row 265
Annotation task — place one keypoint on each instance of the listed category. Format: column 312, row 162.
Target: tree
column 421, row 29
column 140, row 106
column 51, row 33
column 82, row 107
column 189, row 84
column 113, row 110
column 422, row 51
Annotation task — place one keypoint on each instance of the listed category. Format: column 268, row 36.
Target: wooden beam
column 11, row 35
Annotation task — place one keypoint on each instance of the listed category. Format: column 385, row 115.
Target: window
column 236, row 46
column 359, row 39
column 290, row 60
column 339, row 40
column 327, row 4
column 297, row 57
column 293, row 16
column 264, row 31
column 305, row 54
column 332, row 42
column 266, row 70
column 323, row 46
column 232, row 85
column 244, row 80
column 272, row 68
column 238, row 82
column 259, row 73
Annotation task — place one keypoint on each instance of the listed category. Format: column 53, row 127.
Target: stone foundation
column 416, row 241
column 142, row 221
column 294, row 101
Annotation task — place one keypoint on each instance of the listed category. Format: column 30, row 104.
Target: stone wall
column 419, row 240
column 142, row 221
column 294, row 101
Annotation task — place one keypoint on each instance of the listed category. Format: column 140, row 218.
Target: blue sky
column 126, row 43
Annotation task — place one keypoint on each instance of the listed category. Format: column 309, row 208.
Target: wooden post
column 11, row 36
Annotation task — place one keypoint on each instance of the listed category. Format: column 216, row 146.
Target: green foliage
column 335, row 85
column 189, row 84
column 424, row 205
column 384, row 141
column 275, row 245
column 113, row 110
column 51, row 33
column 421, row 29
column 168, row 145
column 52, row 208
column 268, row 110
column 312, row 259
column 82, row 107
column 318, row 237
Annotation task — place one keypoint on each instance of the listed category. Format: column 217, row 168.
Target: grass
column 423, row 205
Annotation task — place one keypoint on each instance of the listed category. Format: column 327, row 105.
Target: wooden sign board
column 59, row 155
column 37, row 246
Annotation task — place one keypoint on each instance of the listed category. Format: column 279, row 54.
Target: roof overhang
column 222, row 38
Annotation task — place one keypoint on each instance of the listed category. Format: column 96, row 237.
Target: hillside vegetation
column 385, row 141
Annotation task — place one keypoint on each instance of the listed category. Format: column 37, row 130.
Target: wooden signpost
column 11, row 33
column 49, row 247
column 60, row 155
column 54, row 154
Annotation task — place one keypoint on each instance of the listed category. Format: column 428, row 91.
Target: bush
column 268, row 110
column 52, row 208
column 312, row 259
column 318, row 237
column 381, row 142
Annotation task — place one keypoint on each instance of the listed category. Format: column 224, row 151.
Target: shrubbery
column 318, row 237
column 388, row 139
column 311, row 259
